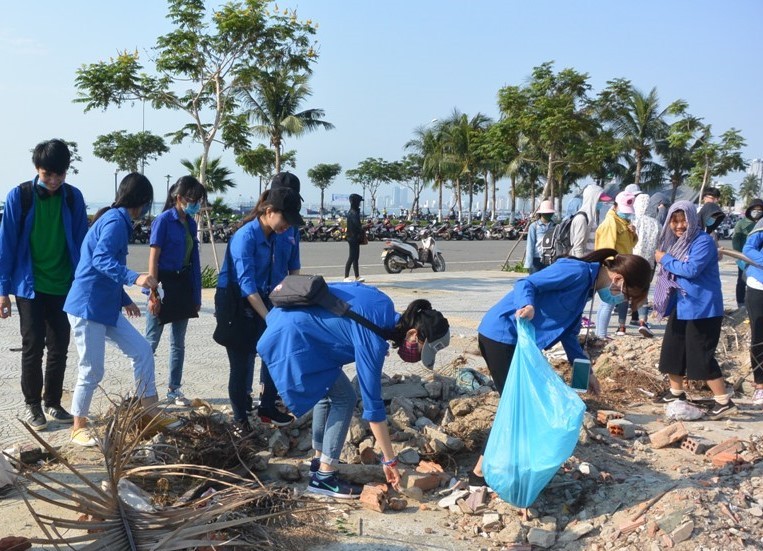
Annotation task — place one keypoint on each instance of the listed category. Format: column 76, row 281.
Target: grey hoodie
column 582, row 233
column 647, row 227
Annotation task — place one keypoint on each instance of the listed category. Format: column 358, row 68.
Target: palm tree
column 639, row 123
column 460, row 145
column 218, row 178
column 749, row 189
column 429, row 144
column 273, row 107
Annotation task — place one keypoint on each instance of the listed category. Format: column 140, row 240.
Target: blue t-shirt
column 305, row 349
column 559, row 294
column 169, row 234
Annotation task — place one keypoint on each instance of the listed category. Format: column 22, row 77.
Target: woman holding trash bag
column 95, row 301
column 260, row 254
column 554, row 299
column 307, row 347
column 688, row 291
column 174, row 261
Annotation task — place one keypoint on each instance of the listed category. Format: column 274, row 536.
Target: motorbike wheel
column 393, row 264
column 479, row 236
column 337, row 235
column 438, row 263
column 324, row 237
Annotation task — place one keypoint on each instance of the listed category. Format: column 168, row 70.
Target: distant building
column 400, row 197
column 756, row 169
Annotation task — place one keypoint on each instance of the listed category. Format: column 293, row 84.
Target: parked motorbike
column 398, row 255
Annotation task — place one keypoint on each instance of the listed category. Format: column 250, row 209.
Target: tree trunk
column 439, row 182
column 203, row 182
column 277, row 149
column 321, row 209
column 513, row 195
column 492, row 193
column 532, row 195
column 637, row 176
column 458, row 198
column 548, row 189
column 705, row 177
column 471, row 200
column 675, row 181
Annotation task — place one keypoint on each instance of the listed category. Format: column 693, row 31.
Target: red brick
column 732, row 444
column 696, row 445
column 604, row 416
column 374, row 497
column 621, row 428
column 723, row 458
column 669, row 435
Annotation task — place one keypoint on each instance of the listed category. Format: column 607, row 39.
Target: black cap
column 755, row 203
column 712, row 192
column 286, row 180
column 287, row 202
column 355, row 198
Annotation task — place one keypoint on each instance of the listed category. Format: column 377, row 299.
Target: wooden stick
column 644, row 507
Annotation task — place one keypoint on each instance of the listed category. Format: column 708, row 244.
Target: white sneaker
column 348, row 279
column 757, row 397
column 360, row 279
column 178, row 398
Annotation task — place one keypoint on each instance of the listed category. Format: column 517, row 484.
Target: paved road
column 329, row 258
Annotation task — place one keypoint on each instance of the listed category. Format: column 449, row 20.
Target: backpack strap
column 365, row 322
column 27, row 198
column 339, row 307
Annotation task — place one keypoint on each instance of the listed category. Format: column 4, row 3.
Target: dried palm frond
column 107, row 521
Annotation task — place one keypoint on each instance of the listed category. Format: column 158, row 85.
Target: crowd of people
column 69, row 279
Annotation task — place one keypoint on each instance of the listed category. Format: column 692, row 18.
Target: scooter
column 398, row 256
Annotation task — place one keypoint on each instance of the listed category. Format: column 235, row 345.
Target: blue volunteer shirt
column 305, row 349
column 97, row 293
column 168, row 233
column 260, row 262
column 753, row 249
column 559, row 294
column 700, row 279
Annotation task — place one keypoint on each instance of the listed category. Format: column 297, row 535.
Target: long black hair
column 423, row 318
column 186, row 186
column 135, row 190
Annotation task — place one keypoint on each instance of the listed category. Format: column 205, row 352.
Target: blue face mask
column 192, row 209
column 625, row 215
column 607, row 296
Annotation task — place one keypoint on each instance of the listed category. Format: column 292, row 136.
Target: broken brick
column 374, row 497
column 621, row 428
column 604, row 416
column 424, row 482
column 732, row 445
column 696, row 445
column 429, row 467
column 724, row 458
column 669, row 435
column 629, row 527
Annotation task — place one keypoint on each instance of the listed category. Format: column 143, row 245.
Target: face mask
column 546, row 217
column 756, row 214
column 625, row 215
column 409, row 351
column 607, row 296
column 192, row 209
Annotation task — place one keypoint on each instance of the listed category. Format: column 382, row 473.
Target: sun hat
column 436, row 333
column 546, row 207
column 624, row 202
column 635, row 189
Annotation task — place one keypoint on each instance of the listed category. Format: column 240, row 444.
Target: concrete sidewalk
column 463, row 297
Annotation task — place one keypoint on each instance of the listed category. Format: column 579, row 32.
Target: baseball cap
column 436, row 332
column 624, row 201
column 286, row 180
column 287, row 202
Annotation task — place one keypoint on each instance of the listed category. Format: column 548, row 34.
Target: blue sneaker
column 333, row 486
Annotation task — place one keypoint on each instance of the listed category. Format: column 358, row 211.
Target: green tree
column 218, row 178
column 261, row 162
column 129, row 152
column 728, row 195
column 678, row 150
column 370, row 174
column 273, row 102
column 636, row 120
column 322, row 175
column 201, row 66
column 716, row 158
column 409, row 173
column 553, row 112
column 219, row 209
column 749, row 189
column 429, row 144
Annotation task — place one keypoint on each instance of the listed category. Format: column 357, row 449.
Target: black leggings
column 754, row 303
column 353, row 259
column 498, row 357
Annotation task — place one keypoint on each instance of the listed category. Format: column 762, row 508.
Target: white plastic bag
column 680, row 410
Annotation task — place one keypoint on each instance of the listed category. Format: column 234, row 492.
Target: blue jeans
column 154, row 331
column 605, row 313
column 331, row 419
column 90, row 338
column 241, row 370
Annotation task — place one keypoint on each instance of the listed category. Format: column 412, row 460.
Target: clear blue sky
column 385, row 67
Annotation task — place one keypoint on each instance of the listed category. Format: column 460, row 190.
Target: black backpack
column 556, row 242
column 27, row 199
column 311, row 290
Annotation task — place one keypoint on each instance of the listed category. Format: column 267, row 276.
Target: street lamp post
column 115, row 182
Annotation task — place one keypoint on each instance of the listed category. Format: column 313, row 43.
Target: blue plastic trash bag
column 536, row 426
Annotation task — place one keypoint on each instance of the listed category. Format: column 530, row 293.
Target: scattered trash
column 679, row 410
